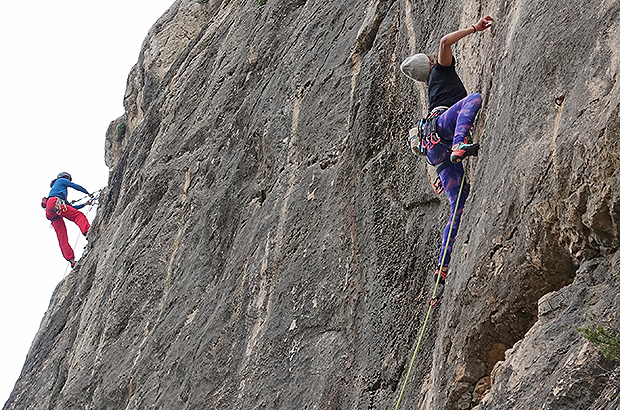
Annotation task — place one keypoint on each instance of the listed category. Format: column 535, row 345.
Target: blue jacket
column 59, row 190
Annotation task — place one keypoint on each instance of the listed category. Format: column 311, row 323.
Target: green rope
column 430, row 306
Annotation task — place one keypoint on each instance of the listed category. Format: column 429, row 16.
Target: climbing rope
column 433, row 300
column 95, row 202
column 94, row 198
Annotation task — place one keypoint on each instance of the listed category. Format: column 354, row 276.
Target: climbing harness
column 434, row 299
column 60, row 206
column 427, row 136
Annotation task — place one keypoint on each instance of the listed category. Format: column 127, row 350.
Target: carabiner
column 438, row 186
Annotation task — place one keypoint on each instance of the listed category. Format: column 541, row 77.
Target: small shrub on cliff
column 120, row 131
column 605, row 338
column 261, row 3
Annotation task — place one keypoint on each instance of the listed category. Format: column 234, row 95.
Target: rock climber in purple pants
column 445, row 130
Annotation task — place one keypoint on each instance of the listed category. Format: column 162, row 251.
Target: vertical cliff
column 267, row 239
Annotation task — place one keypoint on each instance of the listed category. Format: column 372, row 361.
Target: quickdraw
column 60, row 206
column 430, row 137
column 93, row 197
column 437, row 185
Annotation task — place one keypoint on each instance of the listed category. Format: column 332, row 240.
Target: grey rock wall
column 267, row 239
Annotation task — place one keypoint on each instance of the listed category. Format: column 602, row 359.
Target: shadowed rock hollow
column 267, row 239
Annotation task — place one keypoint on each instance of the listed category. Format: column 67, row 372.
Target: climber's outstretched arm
column 445, row 46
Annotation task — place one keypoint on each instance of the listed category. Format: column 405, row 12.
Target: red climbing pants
column 57, row 215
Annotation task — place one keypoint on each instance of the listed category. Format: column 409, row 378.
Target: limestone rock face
column 267, row 239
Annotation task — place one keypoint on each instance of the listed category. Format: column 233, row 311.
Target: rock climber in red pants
column 57, row 208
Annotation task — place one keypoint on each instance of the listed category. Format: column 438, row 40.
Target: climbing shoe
column 438, row 294
column 442, row 279
column 440, row 286
column 72, row 262
column 462, row 151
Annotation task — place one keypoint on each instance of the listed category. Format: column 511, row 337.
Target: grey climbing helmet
column 65, row 175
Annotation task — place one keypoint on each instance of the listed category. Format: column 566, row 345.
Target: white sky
column 63, row 67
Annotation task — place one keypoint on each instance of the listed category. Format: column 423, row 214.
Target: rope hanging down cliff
column 433, row 301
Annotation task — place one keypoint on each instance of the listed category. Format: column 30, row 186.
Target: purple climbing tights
column 451, row 178
column 455, row 123
column 453, row 126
